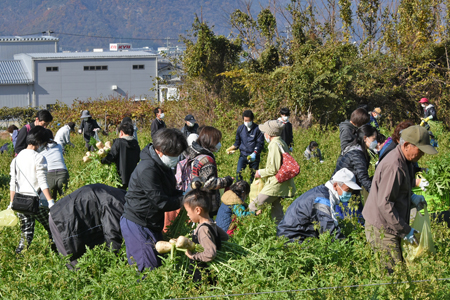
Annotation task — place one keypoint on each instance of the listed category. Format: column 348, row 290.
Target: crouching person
column 89, row 216
column 151, row 192
column 317, row 205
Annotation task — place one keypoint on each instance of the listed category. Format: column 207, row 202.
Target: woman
column 151, row 192
column 273, row 191
column 356, row 158
column 203, row 164
column 394, row 139
column 88, row 128
column 13, row 132
column 28, row 176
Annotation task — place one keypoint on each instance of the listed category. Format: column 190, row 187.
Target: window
column 167, row 77
column 95, row 68
column 52, row 69
column 138, row 67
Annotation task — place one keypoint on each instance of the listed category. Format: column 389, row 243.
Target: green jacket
column 274, row 159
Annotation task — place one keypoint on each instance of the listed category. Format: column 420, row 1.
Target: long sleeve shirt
column 29, row 169
column 62, row 137
column 53, row 154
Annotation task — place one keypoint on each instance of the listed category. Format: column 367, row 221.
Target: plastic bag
column 426, row 243
column 255, row 189
column 7, row 218
column 96, row 136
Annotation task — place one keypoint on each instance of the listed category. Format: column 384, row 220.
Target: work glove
column 231, row 150
column 96, row 129
column 51, row 202
column 411, row 238
column 10, row 205
column 321, row 161
column 291, row 149
column 252, row 157
column 423, row 183
column 418, row 201
column 80, row 131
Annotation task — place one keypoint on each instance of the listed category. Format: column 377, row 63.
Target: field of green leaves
column 256, row 262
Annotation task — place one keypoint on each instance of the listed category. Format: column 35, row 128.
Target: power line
column 114, row 37
column 311, row 289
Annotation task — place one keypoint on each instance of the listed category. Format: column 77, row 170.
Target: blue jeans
column 242, row 164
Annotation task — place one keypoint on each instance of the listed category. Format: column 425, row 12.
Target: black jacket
column 354, row 160
column 347, row 133
column 430, row 110
column 88, row 127
column 125, row 154
column 157, row 125
column 287, row 135
column 186, row 130
column 21, row 141
column 89, row 216
column 151, row 192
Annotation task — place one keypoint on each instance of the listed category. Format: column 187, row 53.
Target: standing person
column 250, row 142
column 313, row 151
column 28, row 176
column 158, row 123
column 57, row 174
column 13, row 132
column 87, row 217
column 151, row 192
column 62, row 136
column 388, row 208
column 124, row 153
column 273, row 191
column 88, row 127
column 348, row 128
column 135, row 129
column 287, row 135
column 374, row 116
column 429, row 111
column 190, row 126
column 43, row 118
column 317, row 206
column 210, row 236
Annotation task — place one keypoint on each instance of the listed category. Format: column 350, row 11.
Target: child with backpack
column 233, row 206
column 197, row 203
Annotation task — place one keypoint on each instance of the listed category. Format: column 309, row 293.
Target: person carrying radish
column 197, row 203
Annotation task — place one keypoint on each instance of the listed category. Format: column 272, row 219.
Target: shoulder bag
column 289, row 167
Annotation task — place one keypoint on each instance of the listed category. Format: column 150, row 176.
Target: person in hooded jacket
column 190, row 126
column 203, row 164
column 313, row 151
column 124, row 153
column 151, row 192
column 88, row 128
column 348, row 128
column 135, row 129
column 286, row 135
column 356, row 159
column 317, row 206
column 428, row 110
column 89, row 216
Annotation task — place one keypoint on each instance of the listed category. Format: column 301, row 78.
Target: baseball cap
column 419, row 137
column 345, row 176
column 190, row 118
column 377, row 110
column 423, row 100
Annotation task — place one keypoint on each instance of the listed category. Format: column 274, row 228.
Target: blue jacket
column 374, row 122
column 249, row 141
column 223, row 218
column 312, row 206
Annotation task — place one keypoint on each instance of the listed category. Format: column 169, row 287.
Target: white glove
column 51, row 202
column 10, row 205
column 418, row 201
column 423, row 184
column 321, row 161
column 80, row 131
column 96, row 129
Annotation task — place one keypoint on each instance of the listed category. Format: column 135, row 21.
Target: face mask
column 423, row 105
column 285, row 118
column 267, row 139
column 345, row 196
column 189, row 124
column 373, row 145
column 248, row 124
column 10, row 134
column 377, row 117
column 218, row 146
column 170, row 161
column 161, row 116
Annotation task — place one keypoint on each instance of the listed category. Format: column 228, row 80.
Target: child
column 197, row 203
column 233, row 204
column 88, row 128
column 313, row 151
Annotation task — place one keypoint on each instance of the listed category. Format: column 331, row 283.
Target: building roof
column 83, row 55
column 29, row 38
column 13, row 72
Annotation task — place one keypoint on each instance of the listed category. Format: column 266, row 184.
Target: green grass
column 258, row 262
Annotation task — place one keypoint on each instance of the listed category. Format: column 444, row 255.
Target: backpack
column 183, row 174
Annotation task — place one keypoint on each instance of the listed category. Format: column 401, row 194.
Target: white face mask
column 248, row 124
column 423, row 105
column 373, row 145
column 190, row 124
column 285, row 118
column 267, row 138
column 161, row 116
column 218, row 146
column 170, row 161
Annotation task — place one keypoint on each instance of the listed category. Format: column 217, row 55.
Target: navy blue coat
column 312, row 206
column 249, row 141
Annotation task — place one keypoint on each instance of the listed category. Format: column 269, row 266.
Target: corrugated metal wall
column 13, row 95
column 8, row 49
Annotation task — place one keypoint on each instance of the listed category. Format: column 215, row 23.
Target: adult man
column 374, row 116
column 158, row 123
column 286, row 135
column 429, row 111
column 190, row 126
column 89, row 216
column 43, row 118
column 151, row 192
column 318, row 205
column 387, row 209
column 124, row 153
column 62, row 136
column 250, row 142
column 347, row 129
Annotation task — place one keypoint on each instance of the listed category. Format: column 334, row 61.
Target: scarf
column 334, row 200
